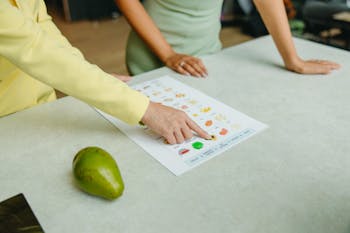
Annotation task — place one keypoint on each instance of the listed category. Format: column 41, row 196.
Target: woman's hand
column 186, row 65
column 174, row 125
column 312, row 66
column 274, row 15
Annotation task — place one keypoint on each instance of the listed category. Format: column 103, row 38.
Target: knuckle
column 171, row 141
column 166, row 132
column 189, row 135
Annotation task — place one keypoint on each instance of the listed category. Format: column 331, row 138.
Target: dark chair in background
column 85, row 9
column 319, row 16
column 246, row 16
column 309, row 19
column 319, row 13
column 242, row 13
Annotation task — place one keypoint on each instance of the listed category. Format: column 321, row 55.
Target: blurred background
column 98, row 29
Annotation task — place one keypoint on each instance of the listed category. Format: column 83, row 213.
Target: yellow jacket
column 34, row 57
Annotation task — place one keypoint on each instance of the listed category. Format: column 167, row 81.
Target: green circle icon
column 197, row 145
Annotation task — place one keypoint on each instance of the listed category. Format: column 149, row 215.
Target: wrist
column 167, row 55
column 294, row 64
column 145, row 118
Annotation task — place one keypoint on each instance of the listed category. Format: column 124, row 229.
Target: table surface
column 293, row 177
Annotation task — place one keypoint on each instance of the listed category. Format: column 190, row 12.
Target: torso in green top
column 189, row 26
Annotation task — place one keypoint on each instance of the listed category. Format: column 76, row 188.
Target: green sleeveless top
column 189, row 26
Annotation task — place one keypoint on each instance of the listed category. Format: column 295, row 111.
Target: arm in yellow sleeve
column 47, row 59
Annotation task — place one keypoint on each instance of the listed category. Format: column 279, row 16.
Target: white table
column 293, row 177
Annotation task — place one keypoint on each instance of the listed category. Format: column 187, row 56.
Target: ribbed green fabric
column 190, row 26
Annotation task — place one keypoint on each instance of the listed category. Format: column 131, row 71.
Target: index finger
column 197, row 129
column 202, row 66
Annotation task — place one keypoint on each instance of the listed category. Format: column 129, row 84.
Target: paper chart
column 228, row 126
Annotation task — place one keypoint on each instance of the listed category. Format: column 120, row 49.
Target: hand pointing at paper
column 174, row 125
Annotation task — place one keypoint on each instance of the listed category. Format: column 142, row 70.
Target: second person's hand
column 186, row 65
column 312, row 66
column 174, row 125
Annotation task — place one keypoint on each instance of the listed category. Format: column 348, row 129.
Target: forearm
column 275, row 18
column 144, row 26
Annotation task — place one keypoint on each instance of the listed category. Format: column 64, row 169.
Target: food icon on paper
column 206, row 109
column 192, row 102
column 209, row 123
column 227, row 126
column 183, row 151
column 223, row 131
column 180, row 95
column 220, row 117
column 156, row 93
column 197, row 145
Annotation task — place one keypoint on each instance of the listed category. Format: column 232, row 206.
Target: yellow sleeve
column 45, row 22
column 33, row 50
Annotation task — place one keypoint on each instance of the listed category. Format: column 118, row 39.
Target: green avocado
column 97, row 173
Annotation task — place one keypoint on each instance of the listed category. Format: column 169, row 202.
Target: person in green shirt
column 175, row 32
